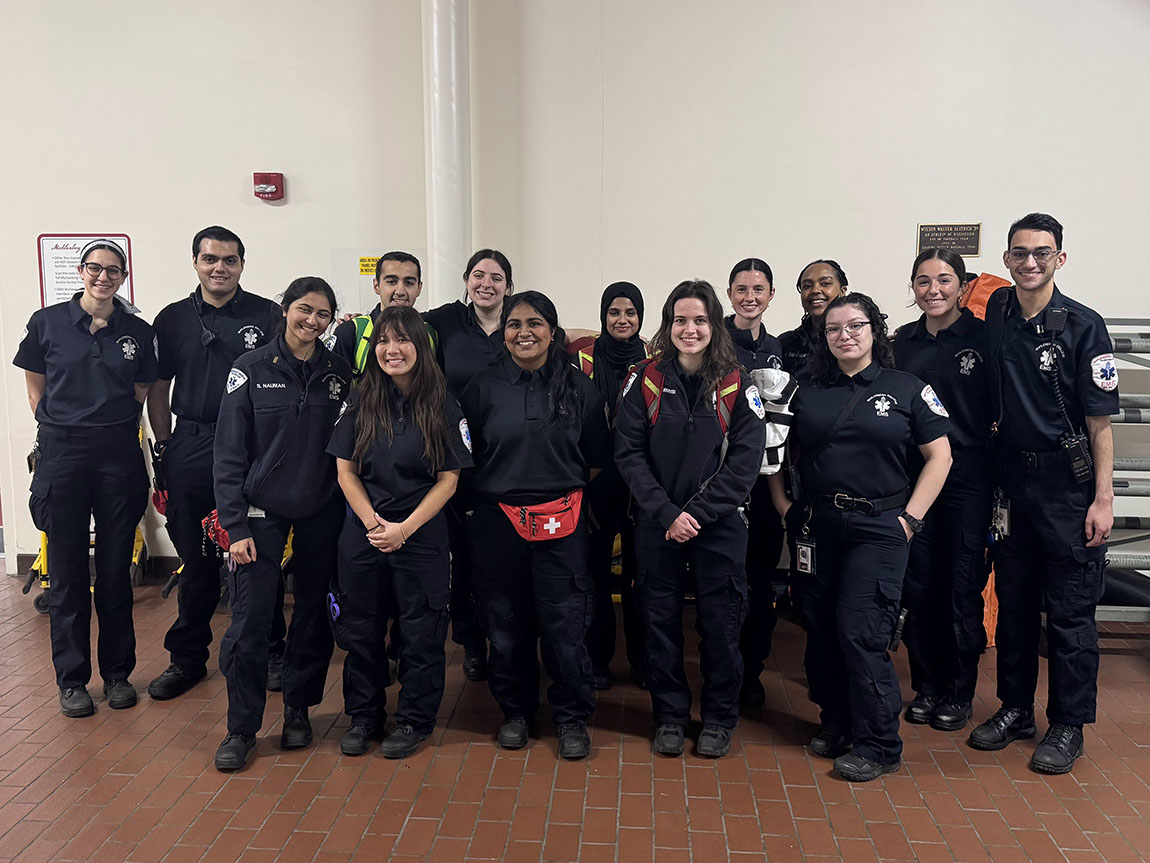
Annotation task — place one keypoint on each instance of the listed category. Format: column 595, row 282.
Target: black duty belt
column 1037, row 460
column 195, row 428
column 867, row 506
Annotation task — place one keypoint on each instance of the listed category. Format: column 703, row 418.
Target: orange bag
column 554, row 519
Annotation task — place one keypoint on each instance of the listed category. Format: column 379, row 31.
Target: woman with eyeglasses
column 854, row 518
column 88, row 363
column 948, row 569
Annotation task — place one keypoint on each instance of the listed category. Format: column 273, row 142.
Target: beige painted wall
column 652, row 140
column 657, row 140
column 150, row 119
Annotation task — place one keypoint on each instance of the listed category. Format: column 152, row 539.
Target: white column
column 447, row 144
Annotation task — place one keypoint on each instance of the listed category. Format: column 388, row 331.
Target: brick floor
column 138, row 784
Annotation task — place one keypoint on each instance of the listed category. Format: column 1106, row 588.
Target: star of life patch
column 1104, row 372
column 932, row 401
column 755, row 401
column 236, row 379
column 465, row 433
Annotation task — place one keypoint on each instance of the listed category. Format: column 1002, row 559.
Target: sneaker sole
column 983, row 746
column 852, row 776
column 124, row 705
column 709, row 753
column 230, row 767
column 78, row 712
column 669, row 751
column 354, row 752
column 511, row 744
column 1052, row 771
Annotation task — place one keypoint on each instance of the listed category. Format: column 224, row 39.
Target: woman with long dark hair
column 399, row 448
column 470, row 339
column 607, row 359
column 540, row 435
column 948, row 569
column 689, row 442
column 272, row 476
column 853, row 519
column 88, row 363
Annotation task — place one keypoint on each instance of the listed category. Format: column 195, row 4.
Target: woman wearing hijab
column 607, row 359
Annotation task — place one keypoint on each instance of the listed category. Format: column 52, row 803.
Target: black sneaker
column 513, row 733
column 829, row 744
column 752, row 693
column 951, row 715
column 404, row 740
column 714, row 741
column 357, row 739
column 75, row 702
column 859, row 768
column 921, row 709
column 475, row 663
column 1007, row 724
column 296, row 733
column 120, row 694
column 1060, row 747
column 669, row 739
column 574, row 741
column 175, row 680
column 275, row 673
column 235, row 751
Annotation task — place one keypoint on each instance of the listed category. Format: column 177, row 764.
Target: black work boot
column 174, row 681
column 296, row 732
column 1007, row 724
column 951, row 715
column 921, row 710
column 1060, row 747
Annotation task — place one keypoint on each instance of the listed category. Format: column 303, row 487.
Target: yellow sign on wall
column 367, row 266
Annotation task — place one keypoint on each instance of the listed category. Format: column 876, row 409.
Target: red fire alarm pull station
column 270, row 187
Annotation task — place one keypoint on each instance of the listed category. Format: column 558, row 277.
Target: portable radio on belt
column 1074, row 444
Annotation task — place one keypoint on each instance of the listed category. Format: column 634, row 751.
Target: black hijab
column 613, row 358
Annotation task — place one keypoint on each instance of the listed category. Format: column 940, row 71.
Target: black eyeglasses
column 113, row 272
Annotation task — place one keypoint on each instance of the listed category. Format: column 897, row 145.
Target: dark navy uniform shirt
column 521, row 458
column 868, row 455
column 797, row 346
column 465, row 349
column 395, row 472
column 954, row 363
column 1023, row 360
column 765, row 352
column 275, row 421
column 242, row 324
column 91, row 377
column 666, row 465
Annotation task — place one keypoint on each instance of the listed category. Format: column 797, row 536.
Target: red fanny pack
column 554, row 519
column 214, row 531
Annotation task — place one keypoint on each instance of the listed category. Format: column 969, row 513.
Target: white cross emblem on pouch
column 552, row 525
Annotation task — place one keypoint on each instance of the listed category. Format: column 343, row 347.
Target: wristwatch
column 916, row 525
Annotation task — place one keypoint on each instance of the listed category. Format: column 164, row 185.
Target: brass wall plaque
column 962, row 238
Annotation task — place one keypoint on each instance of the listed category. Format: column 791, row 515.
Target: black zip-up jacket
column 665, row 465
column 272, row 434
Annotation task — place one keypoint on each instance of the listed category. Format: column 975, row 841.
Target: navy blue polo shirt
column 242, row 324
column 1023, row 362
column 91, row 377
column 395, row 472
column 765, row 352
column 868, row 455
column 954, row 362
column 465, row 349
column 520, row 457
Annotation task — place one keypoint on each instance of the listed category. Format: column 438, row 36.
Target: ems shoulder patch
column 1104, row 372
column 236, row 379
column 627, row 386
column 465, row 433
column 755, row 401
column 933, row 402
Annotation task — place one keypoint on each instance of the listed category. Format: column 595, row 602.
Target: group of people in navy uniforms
column 471, row 470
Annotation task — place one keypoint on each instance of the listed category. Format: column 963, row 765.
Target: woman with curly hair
column 854, row 517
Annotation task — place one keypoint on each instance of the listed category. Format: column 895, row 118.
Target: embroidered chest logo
column 1046, row 356
column 334, row 387
column 967, row 358
column 882, row 403
column 129, row 346
column 251, row 336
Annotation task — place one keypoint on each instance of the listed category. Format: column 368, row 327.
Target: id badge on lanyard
column 805, row 554
column 1000, row 516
